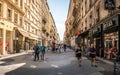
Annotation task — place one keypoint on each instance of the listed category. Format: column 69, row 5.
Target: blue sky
column 59, row 10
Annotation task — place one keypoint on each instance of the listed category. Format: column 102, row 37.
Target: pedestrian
column 59, row 48
column 78, row 54
column 53, row 47
column 42, row 51
column 36, row 52
column 92, row 52
column 64, row 47
column 56, row 48
column 85, row 50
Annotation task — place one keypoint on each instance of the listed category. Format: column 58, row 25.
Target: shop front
column 6, row 37
column 111, row 37
column 97, row 35
column 85, row 40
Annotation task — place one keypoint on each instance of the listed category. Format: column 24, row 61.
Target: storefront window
column 111, row 45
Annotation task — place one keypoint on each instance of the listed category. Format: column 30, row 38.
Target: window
column 16, row 2
column 20, row 20
column 21, row 3
column 15, row 17
column 98, row 14
column 90, row 4
column 0, row 9
column 86, row 6
column 9, row 14
column 33, row 1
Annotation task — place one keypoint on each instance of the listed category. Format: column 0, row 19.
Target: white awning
column 24, row 33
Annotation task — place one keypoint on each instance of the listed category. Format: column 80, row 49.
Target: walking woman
column 78, row 53
column 92, row 51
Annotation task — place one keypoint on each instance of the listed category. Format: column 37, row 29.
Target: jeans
column 36, row 56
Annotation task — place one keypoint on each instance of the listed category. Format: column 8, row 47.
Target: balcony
column 44, row 21
column 44, row 29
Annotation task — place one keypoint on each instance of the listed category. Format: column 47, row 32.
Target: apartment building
column 97, row 21
column 22, row 24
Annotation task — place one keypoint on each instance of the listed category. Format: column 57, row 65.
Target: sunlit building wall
column 22, row 24
column 90, row 16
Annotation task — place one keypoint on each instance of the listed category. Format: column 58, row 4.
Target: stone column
column 4, row 42
column 11, row 42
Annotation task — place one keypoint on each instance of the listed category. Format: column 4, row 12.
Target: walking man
column 78, row 54
column 92, row 51
column 64, row 47
column 36, row 52
column 42, row 52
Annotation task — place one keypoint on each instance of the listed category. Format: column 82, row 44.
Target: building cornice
column 16, row 7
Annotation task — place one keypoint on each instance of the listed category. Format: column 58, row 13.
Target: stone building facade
column 96, row 24
column 22, row 24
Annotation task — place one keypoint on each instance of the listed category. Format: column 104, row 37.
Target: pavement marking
column 8, row 68
column 33, row 66
column 55, row 66
column 1, row 62
column 45, row 61
column 59, row 73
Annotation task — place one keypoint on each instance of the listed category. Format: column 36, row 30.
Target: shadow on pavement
column 109, row 72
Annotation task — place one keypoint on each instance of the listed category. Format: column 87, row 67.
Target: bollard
column 115, row 68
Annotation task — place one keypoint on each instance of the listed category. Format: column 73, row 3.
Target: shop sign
column 78, row 33
column 97, row 29
column 109, row 4
column 109, row 23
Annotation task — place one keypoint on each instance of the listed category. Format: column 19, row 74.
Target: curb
column 14, row 55
column 106, row 61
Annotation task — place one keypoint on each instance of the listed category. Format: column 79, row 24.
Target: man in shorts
column 92, row 52
column 78, row 53
column 42, row 51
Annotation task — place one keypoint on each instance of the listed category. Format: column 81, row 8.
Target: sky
column 59, row 10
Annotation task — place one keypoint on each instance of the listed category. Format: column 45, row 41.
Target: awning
column 24, row 33
column 33, row 38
